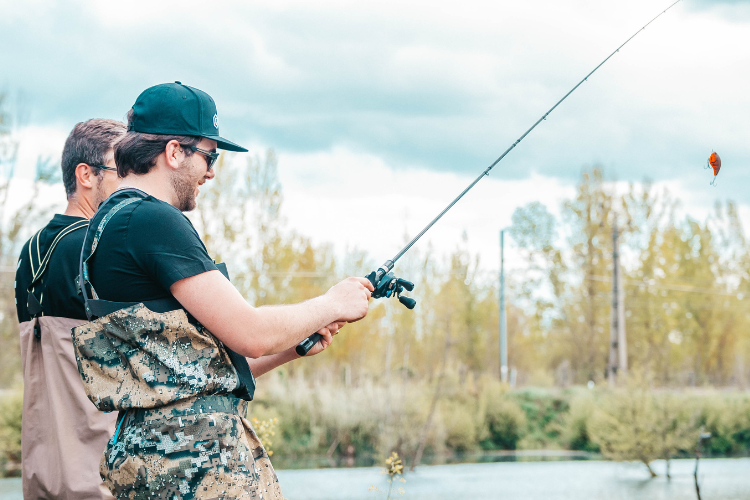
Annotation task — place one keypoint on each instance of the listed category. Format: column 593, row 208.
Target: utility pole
column 618, row 354
column 503, row 320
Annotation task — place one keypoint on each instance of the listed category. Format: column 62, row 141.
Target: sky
column 382, row 112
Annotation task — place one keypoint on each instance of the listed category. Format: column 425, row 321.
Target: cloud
column 437, row 86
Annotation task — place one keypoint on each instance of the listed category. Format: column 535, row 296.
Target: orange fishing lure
column 714, row 162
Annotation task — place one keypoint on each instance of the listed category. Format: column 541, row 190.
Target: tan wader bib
column 63, row 435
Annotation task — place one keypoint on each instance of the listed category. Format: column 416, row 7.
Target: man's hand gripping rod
column 385, row 283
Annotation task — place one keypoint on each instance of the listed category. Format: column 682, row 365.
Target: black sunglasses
column 211, row 156
column 104, row 167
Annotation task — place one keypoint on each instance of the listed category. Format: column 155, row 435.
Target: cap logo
column 216, row 121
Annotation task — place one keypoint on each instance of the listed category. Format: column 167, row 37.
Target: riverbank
column 328, row 424
column 349, row 423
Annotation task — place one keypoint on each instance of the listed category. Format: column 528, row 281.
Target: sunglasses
column 104, row 167
column 211, row 156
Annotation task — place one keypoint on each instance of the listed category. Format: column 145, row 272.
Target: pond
column 721, row 479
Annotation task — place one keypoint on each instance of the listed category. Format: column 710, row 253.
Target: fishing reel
column 387, row 285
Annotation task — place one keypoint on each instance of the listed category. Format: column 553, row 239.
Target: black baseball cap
column 176, row 109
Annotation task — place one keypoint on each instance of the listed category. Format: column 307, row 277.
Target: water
column 720, row 479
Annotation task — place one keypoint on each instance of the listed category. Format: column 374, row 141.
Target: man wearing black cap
column 169, row 336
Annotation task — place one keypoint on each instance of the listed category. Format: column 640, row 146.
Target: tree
column 636, row 424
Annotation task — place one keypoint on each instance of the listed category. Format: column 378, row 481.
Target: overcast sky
column 381, row 112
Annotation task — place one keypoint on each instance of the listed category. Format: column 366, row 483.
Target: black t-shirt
column 146, row 247
column 58, row 289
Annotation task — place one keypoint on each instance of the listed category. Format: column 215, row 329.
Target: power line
column 672, row 287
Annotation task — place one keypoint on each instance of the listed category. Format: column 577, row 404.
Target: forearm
column 279, row 328
column 257, row 332
column 265, row 364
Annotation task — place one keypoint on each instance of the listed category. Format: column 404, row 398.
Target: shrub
column 576, row 434
column 505, row 422
column 727, row 418
column 636, row 424
column 544, row 413
column 11, row 408
column 460, row 426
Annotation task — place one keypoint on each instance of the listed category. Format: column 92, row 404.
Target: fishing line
column 544, row 117
column 384, row 282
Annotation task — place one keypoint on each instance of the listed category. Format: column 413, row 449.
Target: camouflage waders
column 198, row 448
column 181, row 431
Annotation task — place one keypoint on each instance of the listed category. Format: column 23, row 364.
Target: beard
column 184, row 184
column 100, row 195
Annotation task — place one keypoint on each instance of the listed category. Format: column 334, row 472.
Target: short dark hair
column 136, row 152
column 89, row 143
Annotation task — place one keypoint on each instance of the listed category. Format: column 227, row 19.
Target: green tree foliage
column 685, row 282
column 636, row 424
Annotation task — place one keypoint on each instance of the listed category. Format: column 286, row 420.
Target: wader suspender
column 34, row 305
column 96, row 307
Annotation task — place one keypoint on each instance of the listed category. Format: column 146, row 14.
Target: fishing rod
column 385, row 283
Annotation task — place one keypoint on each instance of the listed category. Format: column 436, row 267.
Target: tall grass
column 354, row 424
column 326, row 421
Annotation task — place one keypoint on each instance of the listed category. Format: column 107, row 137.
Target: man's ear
column 174, row 154
column 85, row 176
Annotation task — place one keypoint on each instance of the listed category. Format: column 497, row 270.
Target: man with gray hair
column 63, row 435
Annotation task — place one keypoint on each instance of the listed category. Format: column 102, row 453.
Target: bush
column 506, row 424
column 11, row 409
column 375, row 419
column 544, row 413
column 460, row 426
column 636, row 424
column 727, row 418
column 576, row 434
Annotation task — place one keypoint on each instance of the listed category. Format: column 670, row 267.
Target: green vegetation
column 353, row 425
column 636, row 423
column 11, row 406
column 632, row 424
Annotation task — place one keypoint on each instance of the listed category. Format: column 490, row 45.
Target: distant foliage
column 636, row 424
column 354, row 424
column 686, row 283
column 505, row 424
column 11, row 406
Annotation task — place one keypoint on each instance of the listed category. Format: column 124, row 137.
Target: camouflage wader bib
column 181, row 432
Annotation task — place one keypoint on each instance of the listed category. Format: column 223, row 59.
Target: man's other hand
column 327, row 332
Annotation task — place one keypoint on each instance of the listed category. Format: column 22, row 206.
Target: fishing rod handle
column 304, row 347
column 307, row 344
